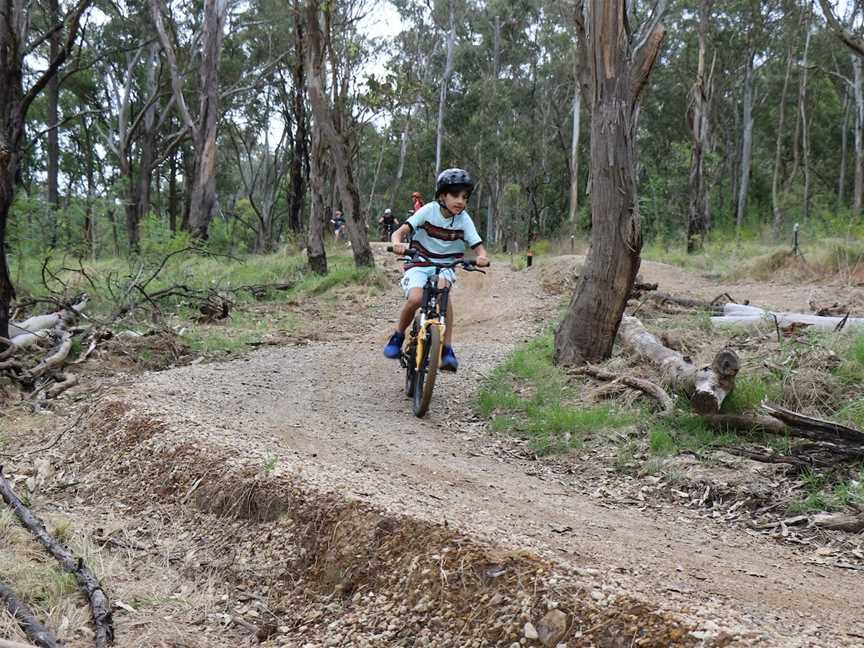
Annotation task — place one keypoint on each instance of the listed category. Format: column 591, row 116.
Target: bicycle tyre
column 410, row 373
column 424, row 380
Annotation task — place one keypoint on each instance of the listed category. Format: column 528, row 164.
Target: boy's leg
column 412, row 303
column 448, row 358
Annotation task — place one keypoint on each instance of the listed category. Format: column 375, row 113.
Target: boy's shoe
column 394, row 347
column 448, row 359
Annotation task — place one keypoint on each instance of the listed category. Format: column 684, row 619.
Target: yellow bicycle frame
column 421, row 338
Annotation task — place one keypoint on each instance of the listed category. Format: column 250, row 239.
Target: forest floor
column 289, row 497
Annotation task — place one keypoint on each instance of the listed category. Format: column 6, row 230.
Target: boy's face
column 456, row 202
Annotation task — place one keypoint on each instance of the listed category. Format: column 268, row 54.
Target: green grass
column 529, row 397
column 750, row 390
column 823, row 496
column 108, row 277
column 106, row 281
column 687, row 432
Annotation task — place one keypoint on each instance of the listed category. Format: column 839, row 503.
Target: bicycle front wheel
column 424, row 379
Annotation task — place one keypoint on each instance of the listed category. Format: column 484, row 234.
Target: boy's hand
column 400, row 248
column 483, row 261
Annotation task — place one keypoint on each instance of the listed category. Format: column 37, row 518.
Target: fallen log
column 706, row 387
column 839, row 522
column 647, row 387
column 39, row 323
column 87, row 581
column 828, row 436
column 829, row 430
column 741, row 315
column 27, row 621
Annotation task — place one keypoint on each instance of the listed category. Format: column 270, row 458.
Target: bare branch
column 853, row 42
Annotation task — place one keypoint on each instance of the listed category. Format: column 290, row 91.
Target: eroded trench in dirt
column 305, row 568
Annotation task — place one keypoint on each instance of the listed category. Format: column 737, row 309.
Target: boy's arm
column 398, row 236
column 482, row 258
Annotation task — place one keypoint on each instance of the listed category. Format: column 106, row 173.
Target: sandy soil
column 332, row 413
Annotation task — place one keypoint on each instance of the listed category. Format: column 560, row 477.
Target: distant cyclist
column 417, row 200
column 338, row 222
column 387, row 224
column 440, row 231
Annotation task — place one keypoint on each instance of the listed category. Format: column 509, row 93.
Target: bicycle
column 421, row 353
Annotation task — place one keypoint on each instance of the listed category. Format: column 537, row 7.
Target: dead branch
column 32, row 627
column 839, row 522
column 706, row 387
column 770, row 457
column 95, row 337
column 99, row 604
column 828, row 430
column 53, row 361
column 665, row 299
column 9, row 351
column 64, row 382
column 647, row 387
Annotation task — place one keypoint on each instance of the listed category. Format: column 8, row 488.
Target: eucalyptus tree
column 203, row 125
column 332, row 120
column 19, row 87
column 616, row 66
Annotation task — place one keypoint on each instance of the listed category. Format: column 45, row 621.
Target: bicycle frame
column 433, row 312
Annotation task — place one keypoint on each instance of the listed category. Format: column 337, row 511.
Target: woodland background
column 206, row 130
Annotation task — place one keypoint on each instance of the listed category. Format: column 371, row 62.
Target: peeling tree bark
column 697, row 220
column 777, row 225
column 746, row 143
column 326, row 121
column 614, row 82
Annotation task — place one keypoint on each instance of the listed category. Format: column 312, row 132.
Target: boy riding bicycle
column 439, row 231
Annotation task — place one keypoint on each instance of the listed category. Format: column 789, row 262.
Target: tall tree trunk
column 777, row 208
column 172, row 192
column 746, row 143
column 315, row 251
column 445, row 81
column 300, row 153
column 858, row 190
column 204, row 204
column 589, row 328
column 146, row 139
column 844, row 150
column 53, row 151
column 574, row 152
column 335, row 140
column 90, row 172
column 802, row 109
column 15, row 102
column 696, row 221
column 494, row 220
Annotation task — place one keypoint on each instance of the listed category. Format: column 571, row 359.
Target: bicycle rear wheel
column 424, row 379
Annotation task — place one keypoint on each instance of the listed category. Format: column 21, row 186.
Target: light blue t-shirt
column 440, row 238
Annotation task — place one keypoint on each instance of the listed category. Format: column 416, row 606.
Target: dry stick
column 32, row 627
column 641, row 384
column 99, row 605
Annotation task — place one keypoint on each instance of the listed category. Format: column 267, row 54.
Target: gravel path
column 333, row 414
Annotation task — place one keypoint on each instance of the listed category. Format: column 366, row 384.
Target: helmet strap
column 447, row 212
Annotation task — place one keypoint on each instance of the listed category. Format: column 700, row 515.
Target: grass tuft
column 529, row 397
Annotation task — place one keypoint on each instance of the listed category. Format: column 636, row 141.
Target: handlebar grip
column 389, row 248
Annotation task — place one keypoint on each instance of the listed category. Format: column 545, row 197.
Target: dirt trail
column 332, row 414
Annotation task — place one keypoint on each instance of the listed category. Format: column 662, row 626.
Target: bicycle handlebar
column 469, row 265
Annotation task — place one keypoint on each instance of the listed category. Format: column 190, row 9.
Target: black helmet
column 450, row 178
